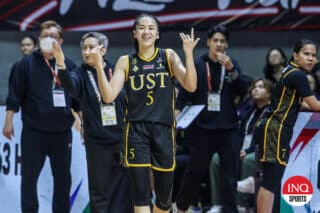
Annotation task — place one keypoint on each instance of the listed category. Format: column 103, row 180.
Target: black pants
column 202, row 145
column 181, row 165
column 109, row 188
column 35, row 146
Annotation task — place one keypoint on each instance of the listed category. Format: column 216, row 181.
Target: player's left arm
column 186, row 75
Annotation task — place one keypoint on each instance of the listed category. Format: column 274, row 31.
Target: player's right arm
column 110, row 90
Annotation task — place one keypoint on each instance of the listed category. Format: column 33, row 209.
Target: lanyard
column 53, row 72
column 249, row 121
column 94, row 84
column 223, row 71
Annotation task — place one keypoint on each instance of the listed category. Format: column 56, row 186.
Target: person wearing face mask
column 274, row 130
column 34, row 87
column 216, row 128
column 108, row 185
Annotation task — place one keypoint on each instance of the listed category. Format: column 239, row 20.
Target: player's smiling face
column 146, row 31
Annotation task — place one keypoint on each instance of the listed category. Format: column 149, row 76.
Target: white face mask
column 46, row 44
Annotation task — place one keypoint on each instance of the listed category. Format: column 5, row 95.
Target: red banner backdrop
column 96, row 15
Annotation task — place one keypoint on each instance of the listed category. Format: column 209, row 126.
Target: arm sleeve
column 71, row 81
column 75, row 105
column 240, row 84
column 184, row 98
column 17, row 86
column 298, row 80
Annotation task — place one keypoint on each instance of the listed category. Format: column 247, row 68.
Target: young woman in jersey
column 149, row 139
column 274, row 130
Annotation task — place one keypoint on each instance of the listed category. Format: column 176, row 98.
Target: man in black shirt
column 216, row 128
column 46, row 118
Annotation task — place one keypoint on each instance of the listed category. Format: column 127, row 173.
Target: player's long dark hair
column 136, row 22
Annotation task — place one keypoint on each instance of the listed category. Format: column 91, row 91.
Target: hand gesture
column 58, row 54
column 224, row 60
column 188, row 41
column 8, row 130
column 96, row 56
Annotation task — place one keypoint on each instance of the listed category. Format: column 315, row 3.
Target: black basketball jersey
column 287, row 96
column 150, row 88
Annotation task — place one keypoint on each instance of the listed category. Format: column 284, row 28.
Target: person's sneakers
column 243, row 209
column 246, row 185
column 174, row 208
column 215, row 209
column 194, row 209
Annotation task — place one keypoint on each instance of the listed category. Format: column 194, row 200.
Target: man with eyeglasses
column 46, row 114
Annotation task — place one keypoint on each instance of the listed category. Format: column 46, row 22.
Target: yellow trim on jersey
column 174, row 106
column 151, row 58
column 267, row 125
column 127, row 70
column 127, row 164
column 280, row 129
column 294, row 64
column 285, row 75
column 268, row 121
column 169, row 62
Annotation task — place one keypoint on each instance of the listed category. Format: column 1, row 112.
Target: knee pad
column 163, row 205
column 163, row 187
column 141, row 187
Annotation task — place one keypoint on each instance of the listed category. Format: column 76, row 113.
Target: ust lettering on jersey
column 150, row 75
column 149, row 84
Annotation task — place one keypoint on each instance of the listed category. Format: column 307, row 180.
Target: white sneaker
column 215, row 209
column 243, row 209
column 174, row 208
column 246, row 185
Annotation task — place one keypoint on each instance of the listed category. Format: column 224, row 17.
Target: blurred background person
column 260, row 92
column 276, row 60
column 28, row 44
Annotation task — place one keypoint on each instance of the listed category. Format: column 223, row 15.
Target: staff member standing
column 216, row 128
column 46, row 120
column 102, row 127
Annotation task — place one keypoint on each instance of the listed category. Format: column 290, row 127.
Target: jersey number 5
column 150, row 98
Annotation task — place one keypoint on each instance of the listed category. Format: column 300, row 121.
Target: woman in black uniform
column 148, row 77
column 274, row 130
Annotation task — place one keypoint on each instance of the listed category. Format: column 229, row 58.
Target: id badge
column 246, row 141
column 59, row 99
column 108, row 114
column 214, row 101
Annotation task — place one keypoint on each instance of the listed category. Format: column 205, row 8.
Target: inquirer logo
column 297, row 190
